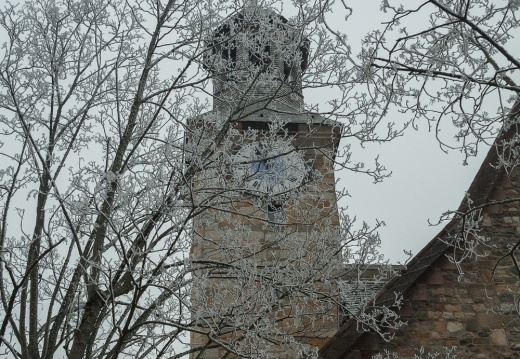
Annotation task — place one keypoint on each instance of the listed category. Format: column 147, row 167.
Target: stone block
column 438, row 290
column 504, row 288
column 453, row 327
column 479, row 308
column 472, row 325
column 507, row 308
column 459, row 315
column 516, row 347
column 434, row 314
column 423, row 334
column 486, row 275
column 480, row 341
column 451, row 342
column 438, row 307
column 506, row 298
column 448, row 315
column 498, row 337
column 486, row 220
column 452, row 308
column 440, row 326
column 489, row 321
column 486, row 264
column 318, row 342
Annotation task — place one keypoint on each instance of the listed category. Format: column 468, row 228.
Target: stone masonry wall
column 477, row 314
column 316, row 206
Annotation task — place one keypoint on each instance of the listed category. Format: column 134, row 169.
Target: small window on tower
column 229, row 53
column 287, row 67
column 260, row 52
column 275, row 213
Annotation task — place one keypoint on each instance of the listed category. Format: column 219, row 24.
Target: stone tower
column 266, row 230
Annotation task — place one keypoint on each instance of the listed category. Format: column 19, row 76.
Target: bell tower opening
column 253, row 52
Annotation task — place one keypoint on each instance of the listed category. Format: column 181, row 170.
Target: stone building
column 268, row 190
column 476, row 315
column 275, row 148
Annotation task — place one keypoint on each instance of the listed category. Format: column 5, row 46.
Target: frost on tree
column 266, row 256
column 111, row 176
column 268, row 251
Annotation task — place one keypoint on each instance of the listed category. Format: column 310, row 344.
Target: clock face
column 269, row 167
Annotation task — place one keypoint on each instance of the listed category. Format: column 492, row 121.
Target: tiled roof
column 357, row 295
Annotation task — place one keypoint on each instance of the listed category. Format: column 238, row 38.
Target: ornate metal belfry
column 257, row 60
column 265, row 244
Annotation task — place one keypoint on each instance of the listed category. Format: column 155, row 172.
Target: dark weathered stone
column 472, row 325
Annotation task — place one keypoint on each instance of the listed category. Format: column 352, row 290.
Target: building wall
column 476, row 314
column 314, row 208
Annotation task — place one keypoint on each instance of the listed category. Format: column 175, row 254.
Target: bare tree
column 454, row 65
column 100, row 189
column 448, row 62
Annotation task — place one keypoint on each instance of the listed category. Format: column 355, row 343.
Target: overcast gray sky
column 425, row 181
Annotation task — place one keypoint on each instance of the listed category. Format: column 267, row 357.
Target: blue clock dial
column 269, row 167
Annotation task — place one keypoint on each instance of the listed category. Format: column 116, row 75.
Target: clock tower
column 266, row 245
